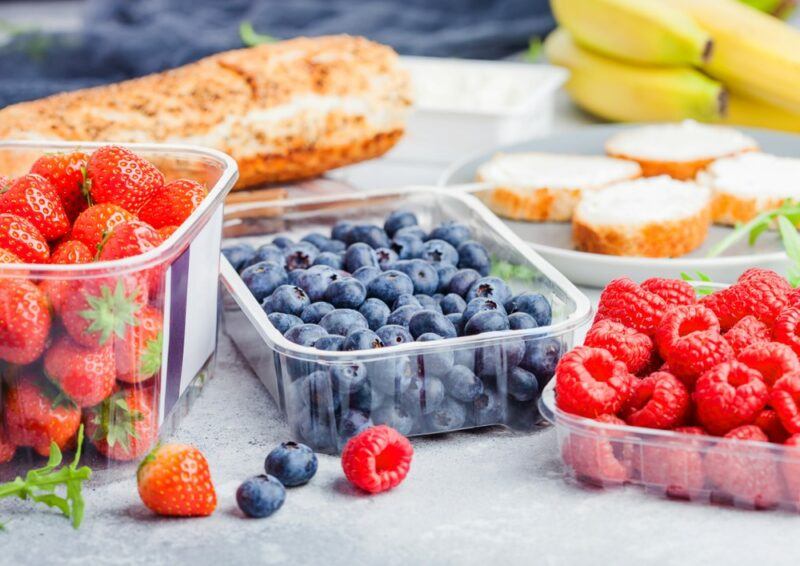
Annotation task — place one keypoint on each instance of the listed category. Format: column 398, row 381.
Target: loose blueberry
column 423, row 275
column 458, row 322
column 413, row 231
column 282, row 242
column 541, row 357
column 305, row 334
column 436, row 362
column 342, row 321
column 439, row 251
column 522, row 385
column 452, row 232
column 395, row 417
column 331, row 259
column 521, row 321
column 407, row 246
column 300, row 255
column 287, row 299
column 473, row 255
column 340, row 230
column 534, row 304
column 362, row 340
column 489, row 288
column 428, row 303
column 426, row 321
column 314, row 312
column 462, row 280
column 292, row 464
column 238, row 255
column 386, row 257
column 399, row 219
column 366, row 274
column 450, row 415
column 389, row 286
column 445, row 271
column 392, row 335
column 486, row 321
column 263, row 278
column 348, row 293
column 481, row 304
column 359, row 255
column 453, row 303
column 462, row 384
column 405, row 299
column 260, row 496
column 402, row 316
column 348, row 378
column 330, row 343
column 283, row 322
column 368, row 234
column 376, row 312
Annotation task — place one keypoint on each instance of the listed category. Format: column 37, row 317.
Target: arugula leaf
column 757, row 226
column 250, row 37
column 699, row 277
column 534, row 52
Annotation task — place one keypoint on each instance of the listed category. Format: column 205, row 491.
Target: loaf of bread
column 284, row 111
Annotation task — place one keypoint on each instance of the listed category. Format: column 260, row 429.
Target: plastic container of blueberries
column 187, row 265
column 328, row 423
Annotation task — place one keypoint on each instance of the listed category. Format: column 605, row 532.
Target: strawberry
column 24, row 321
column 174, row 480
column 71, row 252
column 118, row 176
column 4, row 182
column 95, row 222
column 173, row 203
column 33, row 197
column 66, row 172
column 167, row 231
column 7, row 257
column 34, row 418
column 130, row 238
column 7, row 448
column 124, row 426
column 85, row 375
column 138, row 352
column 22, row 239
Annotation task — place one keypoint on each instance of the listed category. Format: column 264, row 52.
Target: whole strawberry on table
column 724, row 365
column 84, row 349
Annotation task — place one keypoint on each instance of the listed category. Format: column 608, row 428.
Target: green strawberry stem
column 111, row 312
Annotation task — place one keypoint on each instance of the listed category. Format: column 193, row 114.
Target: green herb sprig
column 250, row 37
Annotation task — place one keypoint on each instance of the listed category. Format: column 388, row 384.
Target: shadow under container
column 169, row 349
column 405, row 385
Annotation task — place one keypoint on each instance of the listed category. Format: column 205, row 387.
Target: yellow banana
column 641, row 31
column 617, row 91
column 744, row 111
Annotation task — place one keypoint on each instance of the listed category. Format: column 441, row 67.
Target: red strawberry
column 21, row 238
column 71, row 252
column 24, row 321
column 7, row 448
column 65, row 171
column 118, row 176
column 33, row 198
column 95, row 222
column 173, row 203
column 33, row 418
column 124, row 426
column 7, row 257
column 84, row 375
column 174, row 480
column 599, row 458
column 167, row 231
column 138, row 352
column 130, row 238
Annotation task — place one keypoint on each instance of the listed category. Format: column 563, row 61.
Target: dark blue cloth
column 128, row 38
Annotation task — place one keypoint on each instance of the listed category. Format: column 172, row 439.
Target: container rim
column 169, row 248
column 580, row 315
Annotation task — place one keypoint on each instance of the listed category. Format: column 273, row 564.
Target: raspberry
column 681, row 321
column 746, row 472
column 727, row 304
column 771, row 359
column 759, row 274
column 377, row 459
column 678, row 469
column 786, row 329
column 768, row 421
column 598, row 456
column 791, row 468
column 627, row 345
column 765, row 293
column 748, row 331
column 673, row 291
column 626, row 302
column 658, row 401
column 793, row 298
column 729, row 395
column 694, row 354
column 785, row 399
column 590, row 382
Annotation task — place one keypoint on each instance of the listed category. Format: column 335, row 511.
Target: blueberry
column 282, row 242
column 435, row 362
column 353, row 422
column 348, row 293
column 268, row 252
column 489, row 288
column 487, row 409
column 292, row 464
column 481, row 304
column 314, row 425
column 429, row 303
column 348, row 378
column 316, row 280
column 406, row 299
column 342, row 321
column 238, row 255
column 395, row 417
column 392, row 383
column 392, row 335
column 340, row 230
column 407, row 246
column 458, row 322
column 522, row 416
column 522, row 385
column 287, row 299
column 366, row 274
column 314, row 312
column 359, row 400
column 462, row 280
column 402, row 316
column 452, row 232
column 386, row 257
column 335, row 247
column 426, row 321
column 359, row 255
column 521, row 321
column 465, row 357
column 541, row 357
column 363, row 339
column 283, row 322
column 445, row 271
column 534, row 304
column 486, row 321
column 260, row 496
column 423, row 275
column 369, row 234
column 423, row 396
column 376, row 312
column 462, row 384
column 496, row 359
column 390, row 285
column 412, row 230
column 450, row 415
column 330, row 343
column 305, row 334
column 263, row 278
column 439, row 251
column 316, row 391
column 331, row 259
column 300, row 255
column 296, row 276
column 319, row 241
column 453, row 303
column 473, row 255
column 399, row 219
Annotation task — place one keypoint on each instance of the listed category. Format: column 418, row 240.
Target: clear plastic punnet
column 404, row 382
column 169, row 344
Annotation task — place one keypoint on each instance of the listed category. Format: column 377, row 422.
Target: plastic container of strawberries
column 281, row 364
column 180, row 272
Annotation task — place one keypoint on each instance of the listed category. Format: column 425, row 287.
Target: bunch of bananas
column 662, row 60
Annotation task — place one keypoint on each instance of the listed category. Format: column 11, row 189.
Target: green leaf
column 697, row 278
column 534, row 52
column 251, row 38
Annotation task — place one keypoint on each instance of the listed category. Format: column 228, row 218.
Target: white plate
column 553, row 240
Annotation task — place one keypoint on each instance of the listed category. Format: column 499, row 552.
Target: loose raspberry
column 378, row 459
column 626, row 302
column 785, row 399
column 627, row 345
column 681, row 321
column 768, row 421
column 673, row 291
column 729, row 395
column 590, row 382
column 744, row 471
column 599, row 458
column 676, row 467
column 772, row 360
column 790, row 467
column 786, row 329
column 659, row 400
column 748, row 331
column 691, row 356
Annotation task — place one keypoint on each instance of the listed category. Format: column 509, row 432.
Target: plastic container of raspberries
column 420, row 387
column 141, row 376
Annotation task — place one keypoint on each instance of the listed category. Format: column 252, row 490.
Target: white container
column 463, row 106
